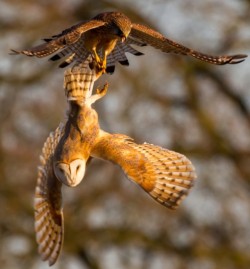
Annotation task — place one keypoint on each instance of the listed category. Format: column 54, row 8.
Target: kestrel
column 165, row 175
column 107, row 37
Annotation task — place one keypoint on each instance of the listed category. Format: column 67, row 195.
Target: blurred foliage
column 179, row 103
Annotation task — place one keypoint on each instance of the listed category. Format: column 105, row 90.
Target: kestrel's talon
column 98, row 67
column 98, row 64
column 101, row 65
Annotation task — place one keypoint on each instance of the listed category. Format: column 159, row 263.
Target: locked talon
column 102, row 91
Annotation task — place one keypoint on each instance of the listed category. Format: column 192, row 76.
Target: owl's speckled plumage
column 48, row 203
column 107, row 37
column 165, row 175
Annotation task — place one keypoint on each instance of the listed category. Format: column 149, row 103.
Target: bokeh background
column 197, row 109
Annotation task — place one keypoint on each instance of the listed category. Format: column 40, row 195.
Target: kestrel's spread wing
column 158, row 41
column 67, row 38
column 48, row 203
column 103, row 36
column 165, row 175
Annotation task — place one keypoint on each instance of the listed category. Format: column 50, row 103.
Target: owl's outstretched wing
column 48, row 203
column 67, row 38
column 153, row 38
column 165, row 175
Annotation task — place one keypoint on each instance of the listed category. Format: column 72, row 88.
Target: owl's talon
column 102, row 91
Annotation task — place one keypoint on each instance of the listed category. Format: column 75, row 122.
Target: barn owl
column 165, row 175
column 107, row 37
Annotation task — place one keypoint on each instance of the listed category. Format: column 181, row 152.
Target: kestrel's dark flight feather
column 107, row 37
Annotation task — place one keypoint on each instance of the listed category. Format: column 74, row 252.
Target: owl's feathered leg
column 100, row 92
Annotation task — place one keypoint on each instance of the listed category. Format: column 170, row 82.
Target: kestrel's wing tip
column 54, row 58
column 110, row 69
column 124, row 62
column 25, row 52
column 47, row 39
column 14, row 52
column 139, row 53
column 238, row 58
column 64, row 64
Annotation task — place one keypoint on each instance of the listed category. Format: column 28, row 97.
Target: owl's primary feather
column 165, row 175
column 48, row 203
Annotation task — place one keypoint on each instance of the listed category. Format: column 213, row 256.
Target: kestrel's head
column 118, row 22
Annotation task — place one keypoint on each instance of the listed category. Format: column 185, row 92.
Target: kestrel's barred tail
column 66, row 38
column 165, row 175
column 48, row 203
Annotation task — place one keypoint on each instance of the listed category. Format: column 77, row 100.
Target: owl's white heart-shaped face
column 70, row 174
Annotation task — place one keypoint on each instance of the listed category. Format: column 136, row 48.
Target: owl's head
column 70, row 174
